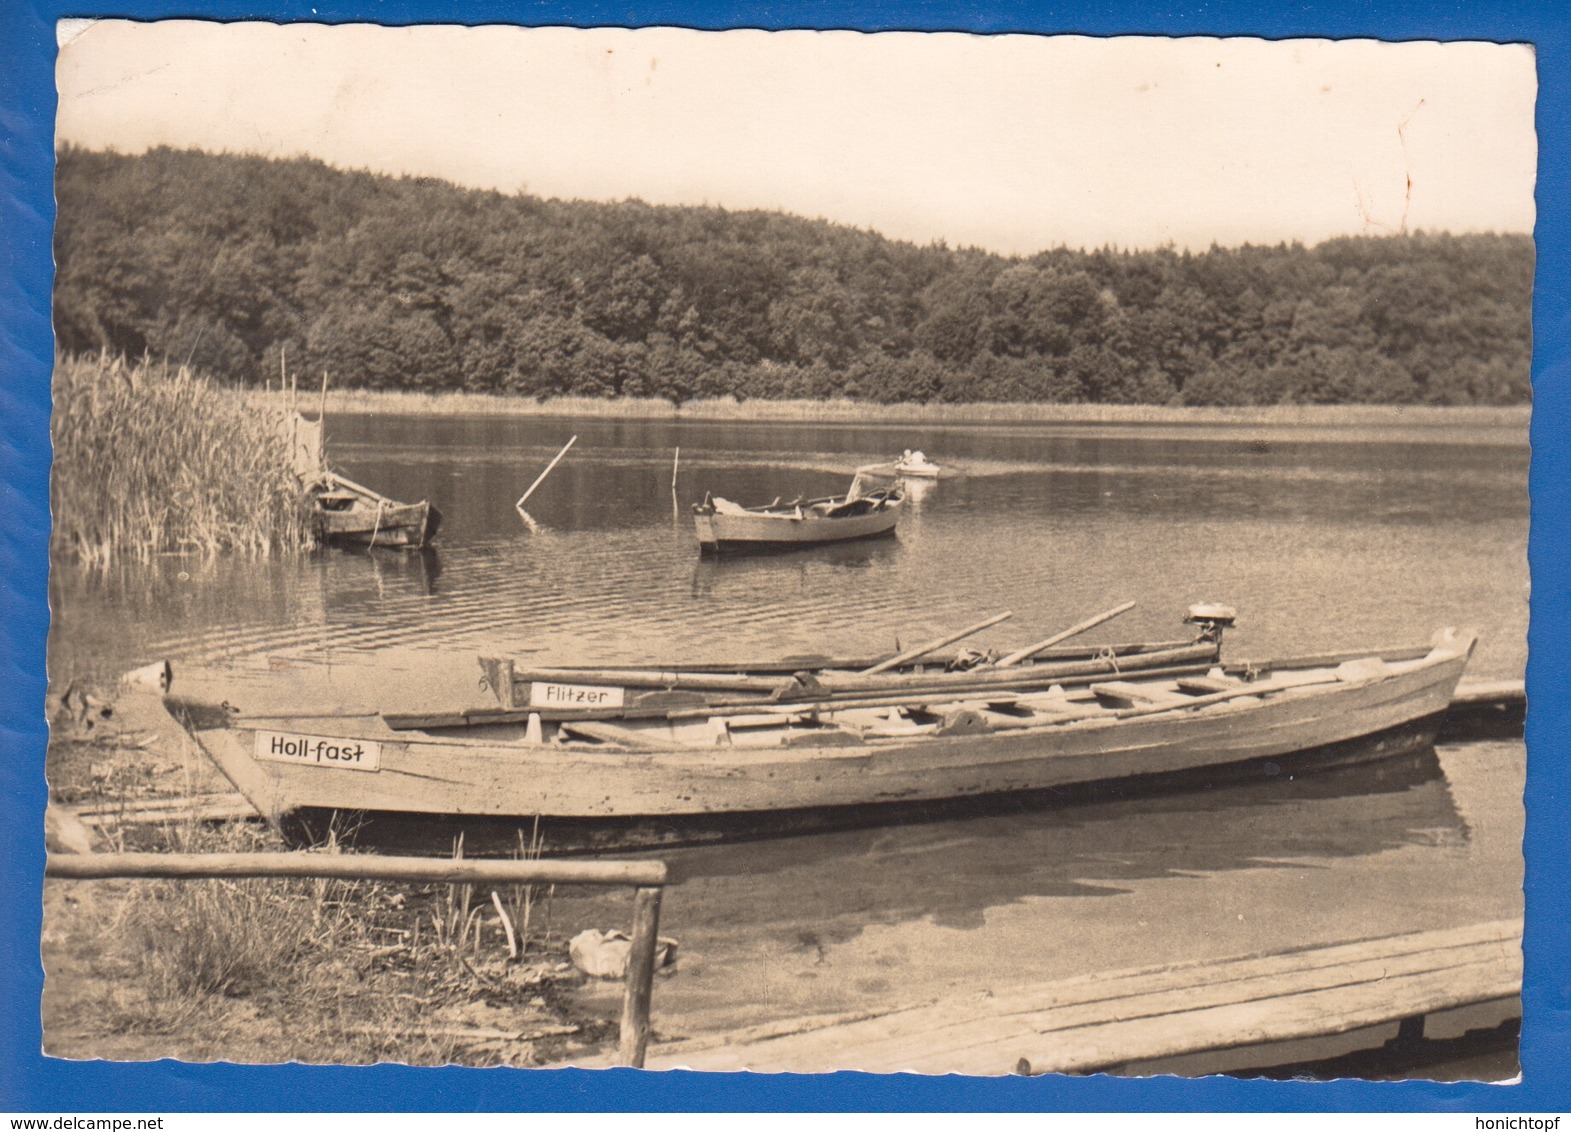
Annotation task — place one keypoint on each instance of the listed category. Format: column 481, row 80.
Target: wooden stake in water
column 676, row 462
column 519, row 506
column 321, row 413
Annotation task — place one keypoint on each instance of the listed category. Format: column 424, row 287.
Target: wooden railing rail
column 647, row 878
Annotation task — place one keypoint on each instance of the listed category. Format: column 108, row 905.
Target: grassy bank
column 321, row 972
column 273, row 970
column 862, row 412
column 150, row 460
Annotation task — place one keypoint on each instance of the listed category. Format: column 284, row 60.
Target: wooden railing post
column 646, row 877
column 640, row 978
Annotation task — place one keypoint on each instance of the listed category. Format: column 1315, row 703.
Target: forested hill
column 386, row 283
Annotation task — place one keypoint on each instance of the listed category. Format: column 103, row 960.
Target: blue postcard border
column 29, row 1081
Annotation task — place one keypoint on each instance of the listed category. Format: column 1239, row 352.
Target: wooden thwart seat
column 1125, row 693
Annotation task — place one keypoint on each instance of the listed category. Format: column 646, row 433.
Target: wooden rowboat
column 858, row 514
column 345, row 512
column 598, row 774
column 348, row 513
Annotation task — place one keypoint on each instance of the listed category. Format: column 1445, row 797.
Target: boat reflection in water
column 918, row 490
column 715, row 575
column 1108, row 835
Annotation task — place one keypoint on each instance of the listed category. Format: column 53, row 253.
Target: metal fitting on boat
column 1212, row 618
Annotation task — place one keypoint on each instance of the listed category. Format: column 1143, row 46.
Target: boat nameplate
column 574, row 696
column 318, row 750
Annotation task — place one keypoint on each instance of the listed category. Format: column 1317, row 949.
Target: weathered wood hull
column 516, row 686
column 500, row 773
column 1409, row 748
column 719, row 532
column 405, row 526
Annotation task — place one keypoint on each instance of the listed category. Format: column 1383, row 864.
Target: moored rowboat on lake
column 627, row 692
column 681, row 772
column 858, row 514
column 348, row 513
column 345, row 512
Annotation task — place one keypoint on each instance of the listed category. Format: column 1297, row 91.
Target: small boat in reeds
column 347, row 512
column 638, row 756
column 864, row 511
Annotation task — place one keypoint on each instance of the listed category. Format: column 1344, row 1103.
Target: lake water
column 1321, row 538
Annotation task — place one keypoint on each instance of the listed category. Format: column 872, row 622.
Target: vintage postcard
column 788, row 550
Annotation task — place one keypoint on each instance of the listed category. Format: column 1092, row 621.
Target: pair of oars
column 1013, row 658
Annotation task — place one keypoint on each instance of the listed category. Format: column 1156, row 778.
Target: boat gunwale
column 373, row 727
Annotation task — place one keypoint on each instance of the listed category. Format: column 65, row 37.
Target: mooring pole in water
column 519, row 506
column 634, row 1038
column 676, row 461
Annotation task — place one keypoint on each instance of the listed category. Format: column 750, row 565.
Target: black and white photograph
column 790, row 551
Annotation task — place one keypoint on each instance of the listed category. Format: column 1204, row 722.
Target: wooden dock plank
column 1097, row 1021
column 1140, row 1027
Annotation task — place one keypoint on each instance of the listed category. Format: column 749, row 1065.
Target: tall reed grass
column 149, row 459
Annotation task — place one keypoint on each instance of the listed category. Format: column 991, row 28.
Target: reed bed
column 150, row 459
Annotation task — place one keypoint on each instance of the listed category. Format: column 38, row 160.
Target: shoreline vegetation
column 843, row 410
column 152, row 459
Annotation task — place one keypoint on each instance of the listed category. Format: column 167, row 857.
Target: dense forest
column 225, row 262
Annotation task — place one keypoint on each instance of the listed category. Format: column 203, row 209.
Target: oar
column 932, row 646
column 1031, row 650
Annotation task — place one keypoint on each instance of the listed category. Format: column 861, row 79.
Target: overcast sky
column 1012, row 143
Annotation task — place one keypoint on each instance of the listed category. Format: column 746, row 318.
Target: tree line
column 230, row 263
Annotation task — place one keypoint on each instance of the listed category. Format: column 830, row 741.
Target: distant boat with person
column 916, row 465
